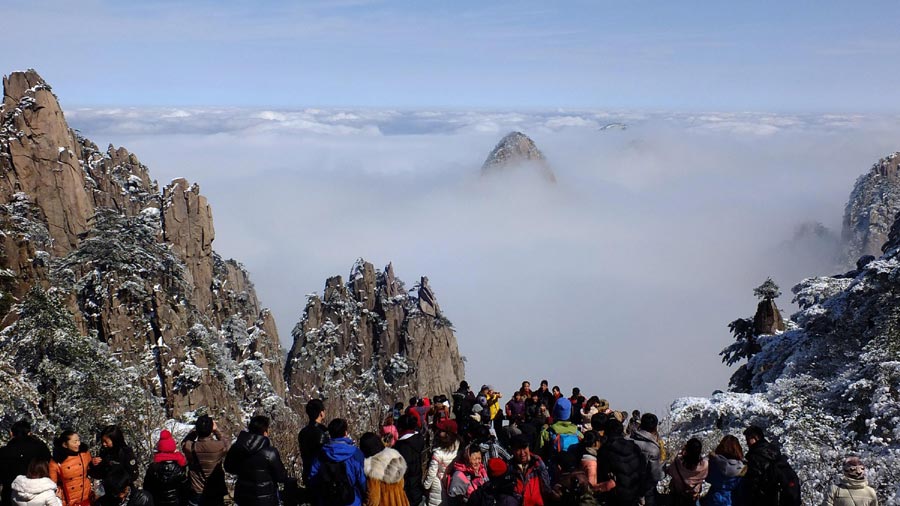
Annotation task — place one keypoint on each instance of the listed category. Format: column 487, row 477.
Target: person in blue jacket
column 337, row 476
column 726, row 469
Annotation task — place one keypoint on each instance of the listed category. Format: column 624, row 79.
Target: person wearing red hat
column 500, row 490
column 166, row 477
column 446, row 448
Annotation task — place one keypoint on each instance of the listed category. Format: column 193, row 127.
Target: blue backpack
column 562, row 442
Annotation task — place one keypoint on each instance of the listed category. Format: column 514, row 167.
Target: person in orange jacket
column 69, row 469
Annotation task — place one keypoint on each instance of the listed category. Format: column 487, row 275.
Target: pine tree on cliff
column 79, row 382
column 746, row 331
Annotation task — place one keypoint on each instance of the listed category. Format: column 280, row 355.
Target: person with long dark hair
column 114, row 451
column 688, row 472
column 70, row 469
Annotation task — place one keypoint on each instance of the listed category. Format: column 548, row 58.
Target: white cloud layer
column 620, row 280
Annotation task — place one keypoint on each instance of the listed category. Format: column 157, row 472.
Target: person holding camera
column 205, row 449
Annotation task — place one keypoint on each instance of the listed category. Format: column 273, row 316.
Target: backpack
column 781, row 478
column 334, row 484
column 562, row 442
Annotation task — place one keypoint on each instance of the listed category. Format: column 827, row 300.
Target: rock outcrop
column 517, row 150
column 871, row 209
column 134, row 266
column 367, row 343
column 767, row 319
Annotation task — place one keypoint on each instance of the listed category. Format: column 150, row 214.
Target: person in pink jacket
column 688, row 472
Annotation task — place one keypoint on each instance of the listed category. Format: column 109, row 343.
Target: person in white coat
column 851, row 489
column 35, row 488
column 440, row 467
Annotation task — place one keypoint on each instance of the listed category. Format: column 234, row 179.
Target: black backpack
column 334, row 484
column 780, row 481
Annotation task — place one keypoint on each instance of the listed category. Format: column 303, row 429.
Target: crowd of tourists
column 539, row 448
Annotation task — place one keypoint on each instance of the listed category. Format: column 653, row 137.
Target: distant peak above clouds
column 517, row 150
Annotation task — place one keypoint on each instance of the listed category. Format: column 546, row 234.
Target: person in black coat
column 15, row 456
column 312, row 437
column 411, row 446
column 120, row 490
column 757, row 488
column 114, row 452
column 257, row 465
column 624, row 460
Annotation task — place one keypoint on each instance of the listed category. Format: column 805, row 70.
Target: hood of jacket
column 250, row 444
column 446, row 455
column 640, row 435
column 690, row 476
column 765, row 450
column 844, row 482
column 339, row 449
column 27, row 489
column 728, row 468
column 464, row 468
column 564, row 427
column 386, row 466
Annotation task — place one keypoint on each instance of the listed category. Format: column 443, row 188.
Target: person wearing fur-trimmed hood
column 851, row 488
column 384, row 468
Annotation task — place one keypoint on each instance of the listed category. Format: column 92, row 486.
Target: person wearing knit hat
column 500, row 490
column 851, row 488
column 166, row 478
column 384, row 468
column 496, row 467
column 560, row 435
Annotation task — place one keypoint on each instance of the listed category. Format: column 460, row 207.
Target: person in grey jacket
column 851, row 488
column 647, row 439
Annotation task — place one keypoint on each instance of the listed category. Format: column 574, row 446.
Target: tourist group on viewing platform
column 538, row 448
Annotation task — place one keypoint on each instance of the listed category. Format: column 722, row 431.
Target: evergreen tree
column 75, row 380
column 767, row 291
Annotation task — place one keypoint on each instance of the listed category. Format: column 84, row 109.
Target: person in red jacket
column 532, row 476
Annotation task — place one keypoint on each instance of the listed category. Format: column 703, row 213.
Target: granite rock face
column 136, row 265
column 767, row 319
column 367, row 343
column 516, row 151
column 871, row 209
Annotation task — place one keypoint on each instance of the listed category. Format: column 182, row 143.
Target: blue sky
column 763, row 56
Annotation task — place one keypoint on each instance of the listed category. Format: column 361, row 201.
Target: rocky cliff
column 829, row 385
column 369, row 342
column 870, row 211
column 133, row 265
column 517, row 150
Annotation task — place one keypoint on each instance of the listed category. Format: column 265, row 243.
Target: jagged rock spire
column 517, row 149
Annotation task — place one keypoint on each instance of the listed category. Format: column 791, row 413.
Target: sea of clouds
column 620, row 279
